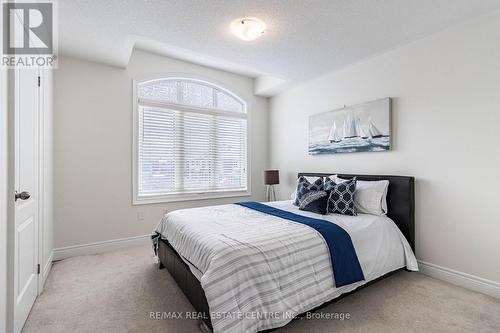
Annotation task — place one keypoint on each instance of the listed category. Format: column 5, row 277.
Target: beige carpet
column 115, row 292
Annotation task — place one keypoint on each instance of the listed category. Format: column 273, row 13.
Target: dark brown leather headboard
column 400, row 200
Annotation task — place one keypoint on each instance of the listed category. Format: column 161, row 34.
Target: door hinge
column 38, row 269
column 39, row 80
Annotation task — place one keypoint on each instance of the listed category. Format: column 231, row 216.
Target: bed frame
column 401, row 206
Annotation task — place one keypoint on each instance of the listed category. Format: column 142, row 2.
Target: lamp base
column 271, row 194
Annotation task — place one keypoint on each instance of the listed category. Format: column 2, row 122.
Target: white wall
column 93, row 147
column 446, row 122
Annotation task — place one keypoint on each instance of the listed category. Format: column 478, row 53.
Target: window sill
column 188, row 197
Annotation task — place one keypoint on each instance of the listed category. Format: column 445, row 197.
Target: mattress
column 249, row 262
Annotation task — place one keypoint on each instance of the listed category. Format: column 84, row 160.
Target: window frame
column 165, row 198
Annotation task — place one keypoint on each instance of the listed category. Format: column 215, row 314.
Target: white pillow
column 370, row 197
column 310, row 179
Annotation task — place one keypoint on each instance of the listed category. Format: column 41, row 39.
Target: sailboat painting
column 358, row 128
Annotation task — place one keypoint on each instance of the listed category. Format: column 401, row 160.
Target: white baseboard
column 100, row 247
column 461, row 279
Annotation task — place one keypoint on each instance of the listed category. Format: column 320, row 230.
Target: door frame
column 4, row 188
column 43, row 127
column 3, row 201
column 11, row 187
column 40, row 188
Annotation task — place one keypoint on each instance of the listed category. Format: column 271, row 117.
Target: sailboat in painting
column 350, row 127
column 334, row 135
column 373, row 131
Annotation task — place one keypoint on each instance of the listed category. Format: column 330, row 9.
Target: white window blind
column 191, row 139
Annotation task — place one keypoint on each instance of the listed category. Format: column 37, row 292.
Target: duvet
column 259, row 271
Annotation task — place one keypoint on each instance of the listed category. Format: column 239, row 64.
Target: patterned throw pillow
column 329, row 183
column 341, row 199
column 304, row 186
column 315, row 202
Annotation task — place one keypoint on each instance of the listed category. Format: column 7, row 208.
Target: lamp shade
column 271, row 177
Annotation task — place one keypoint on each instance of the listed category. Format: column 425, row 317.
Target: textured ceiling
column 304, row 38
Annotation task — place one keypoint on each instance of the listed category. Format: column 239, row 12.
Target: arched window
column 190, row 93
column 190, row 141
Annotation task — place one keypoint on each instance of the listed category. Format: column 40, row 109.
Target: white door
column 25, row 151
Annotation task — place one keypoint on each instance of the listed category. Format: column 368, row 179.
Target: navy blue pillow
column 315, row 201
column 304, row 186
column 341, row 200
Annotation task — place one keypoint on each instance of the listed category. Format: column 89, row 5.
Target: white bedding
column 258, row 271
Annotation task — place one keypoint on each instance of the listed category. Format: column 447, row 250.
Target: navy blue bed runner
column 345, row 263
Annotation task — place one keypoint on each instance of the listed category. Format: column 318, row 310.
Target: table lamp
column 271, row 178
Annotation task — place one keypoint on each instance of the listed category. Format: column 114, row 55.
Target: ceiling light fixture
column 248, row 28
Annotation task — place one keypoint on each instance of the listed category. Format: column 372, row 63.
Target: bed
column 255, row 280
